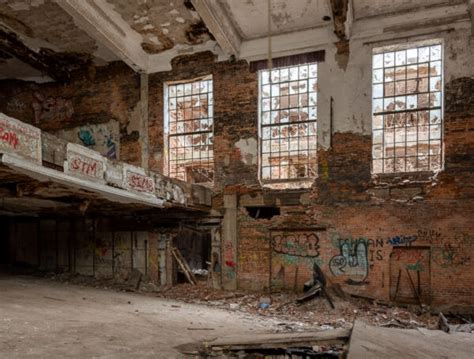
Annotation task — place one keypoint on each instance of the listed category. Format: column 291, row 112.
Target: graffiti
column 86, row 137
column 111, row 148
column 401, row 240
column 51, row 108
column 352, row 261
column 18, row 137
column 15, row 105
column 229, row 259
column 8, row 137
column 428, row 235
column 301, row 245
column 87, row 168
column 449, row 256
column 415, row 266
column 137, row 180
column 103, row 138
column 412, row 255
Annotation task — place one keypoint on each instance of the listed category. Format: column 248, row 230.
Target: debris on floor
column 362, row 341
column 281, row 307
column 467, row 327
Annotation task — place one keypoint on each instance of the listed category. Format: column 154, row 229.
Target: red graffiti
column 9, row 137
column 230, row 264
column 408, row 256
column 87, row 168
column 141, row 183
column 229, row 254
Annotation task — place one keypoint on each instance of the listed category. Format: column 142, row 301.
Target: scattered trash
column 452, row 328
column 201, row 272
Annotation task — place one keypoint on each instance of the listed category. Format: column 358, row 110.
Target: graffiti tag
column 401, row 240
column 352, row 261
column 302, row 244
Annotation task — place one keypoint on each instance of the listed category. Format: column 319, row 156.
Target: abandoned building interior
column 257, row 146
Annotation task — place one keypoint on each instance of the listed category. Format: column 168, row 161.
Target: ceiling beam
column 102, row 23
column 44, row 61
column 219, row 24
column 292, row 43
column 433, row 19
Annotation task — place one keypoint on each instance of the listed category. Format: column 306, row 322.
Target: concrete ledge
column 44, row 174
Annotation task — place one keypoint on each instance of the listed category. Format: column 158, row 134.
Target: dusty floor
column 41, row 318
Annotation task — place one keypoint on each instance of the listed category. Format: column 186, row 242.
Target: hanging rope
column 270, row 36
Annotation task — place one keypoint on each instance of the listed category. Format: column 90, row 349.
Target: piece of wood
column 328, row 297
column 315, row 289
column 413, row 287
column 279, row 340
column 398, row 284
column 183, row 265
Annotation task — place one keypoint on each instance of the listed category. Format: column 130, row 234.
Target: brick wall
column 365, row 233
column 109, row 93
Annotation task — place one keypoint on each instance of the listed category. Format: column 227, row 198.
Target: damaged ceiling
column 250, row 17
column 44, row 40
column 163, row 24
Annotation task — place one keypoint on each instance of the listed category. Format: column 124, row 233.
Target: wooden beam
column 43, row 61
column 217, row 21
column 105, row 25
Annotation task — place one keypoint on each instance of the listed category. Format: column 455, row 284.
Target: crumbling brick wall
column 109, row 93
column 365, row 233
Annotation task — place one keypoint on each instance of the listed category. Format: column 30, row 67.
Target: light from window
column 407, row 121
column 189, row 130
column 288, row 123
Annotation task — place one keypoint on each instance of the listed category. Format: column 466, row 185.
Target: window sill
column 401, row 179
column 290, row 184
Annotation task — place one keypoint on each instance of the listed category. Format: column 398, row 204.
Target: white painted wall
column 352, row 88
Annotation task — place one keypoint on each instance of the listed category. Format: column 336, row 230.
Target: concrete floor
column 40, row 318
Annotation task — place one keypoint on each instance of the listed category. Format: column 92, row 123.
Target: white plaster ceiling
column 147, row 34
column 369, row 8
column 250, row 17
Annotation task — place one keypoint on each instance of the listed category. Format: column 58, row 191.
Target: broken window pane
column 407, row 109
column 189, row 134
column 290, row 94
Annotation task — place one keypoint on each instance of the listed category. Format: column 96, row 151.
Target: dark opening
column 4, row 237
column 195, row 247
column 266, row 212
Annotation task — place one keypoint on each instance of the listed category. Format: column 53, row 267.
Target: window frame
column 293, row 182
column 405, row 47
column 167, row 124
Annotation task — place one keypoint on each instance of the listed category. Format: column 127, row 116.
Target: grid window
column 288, row 123
column 189, row 130
column 407, row 121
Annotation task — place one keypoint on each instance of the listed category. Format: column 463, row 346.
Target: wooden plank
column 279, row 340
column 183, row 265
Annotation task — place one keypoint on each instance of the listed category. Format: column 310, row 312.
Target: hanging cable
column 270, row 36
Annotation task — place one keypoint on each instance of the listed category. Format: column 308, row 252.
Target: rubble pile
column 281, row 307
